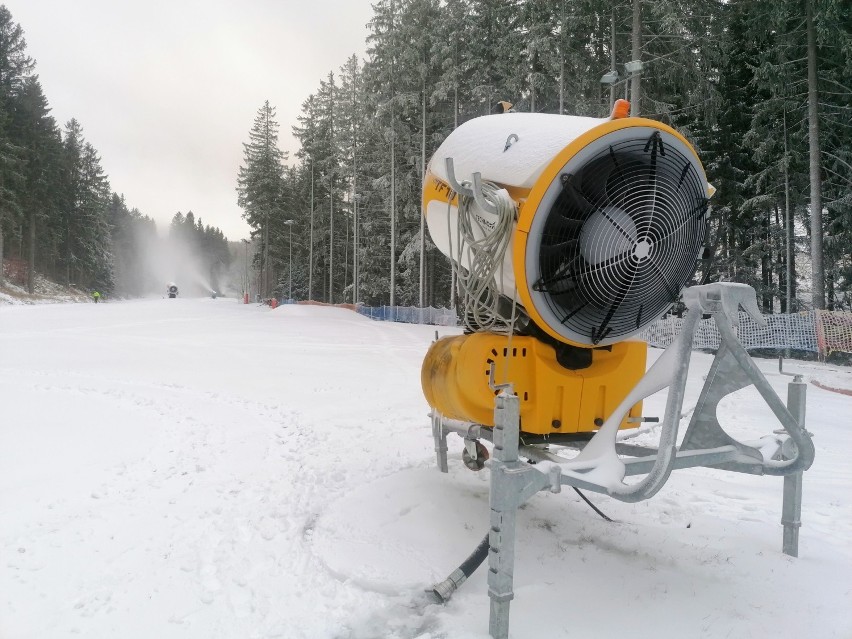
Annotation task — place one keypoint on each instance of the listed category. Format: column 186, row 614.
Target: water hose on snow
column 444, row 590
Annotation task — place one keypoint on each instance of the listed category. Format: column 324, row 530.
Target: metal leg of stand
column 439, row 435
column 791, row 509
column 504, row 508
column 791, row 513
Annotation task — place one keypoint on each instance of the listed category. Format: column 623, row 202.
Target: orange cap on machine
column 621, row 109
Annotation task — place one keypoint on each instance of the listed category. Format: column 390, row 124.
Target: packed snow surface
column 202, row 469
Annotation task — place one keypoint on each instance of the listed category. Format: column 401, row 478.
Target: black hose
column 445, row 589
column 476, row 558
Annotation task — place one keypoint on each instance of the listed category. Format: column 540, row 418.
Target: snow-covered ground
column 203, row 469
column 44, row 292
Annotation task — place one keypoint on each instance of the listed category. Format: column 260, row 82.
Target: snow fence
column 822, row 332
column 411, row 314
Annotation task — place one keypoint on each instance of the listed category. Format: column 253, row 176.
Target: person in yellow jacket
column 97, row 296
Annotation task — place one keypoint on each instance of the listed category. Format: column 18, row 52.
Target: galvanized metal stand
column 439, row 435
column 512, row 483
column 788, row 452
column 501, row 536
column 791, row 508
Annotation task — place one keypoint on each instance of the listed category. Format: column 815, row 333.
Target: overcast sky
column 167, row 90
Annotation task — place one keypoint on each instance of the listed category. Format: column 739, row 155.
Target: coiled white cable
column 480, row 257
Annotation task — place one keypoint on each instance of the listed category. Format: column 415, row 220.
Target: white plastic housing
column 479, row 145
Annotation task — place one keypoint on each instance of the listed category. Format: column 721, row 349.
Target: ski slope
column 201, row 469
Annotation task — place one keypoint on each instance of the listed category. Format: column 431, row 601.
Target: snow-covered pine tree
column 35, row 130
column 259, row 186
column 15, row 65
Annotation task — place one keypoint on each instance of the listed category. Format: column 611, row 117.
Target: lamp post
column 246, row 276
column 355, row 200
column 290, row 266
column 610, row 78
column 633, row 70
column 266, row 255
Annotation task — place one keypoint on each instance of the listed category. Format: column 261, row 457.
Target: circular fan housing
column 611, row 233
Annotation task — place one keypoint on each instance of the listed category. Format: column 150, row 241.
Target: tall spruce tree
column 259, row 186
column 15, row 66
column 36, row 132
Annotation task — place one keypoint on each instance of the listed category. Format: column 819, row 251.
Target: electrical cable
column 480, row 255
column 593, row 507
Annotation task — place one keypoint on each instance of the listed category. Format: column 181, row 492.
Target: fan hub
column 641, row 250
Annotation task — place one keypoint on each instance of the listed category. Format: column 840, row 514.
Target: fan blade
column 558, row 251
column 575, row 197
column 610, row 285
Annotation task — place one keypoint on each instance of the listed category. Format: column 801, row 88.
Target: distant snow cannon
column 568, row 237
column 172, row 290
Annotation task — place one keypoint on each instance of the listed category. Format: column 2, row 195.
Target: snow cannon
column 172, row 290
column 569, row 235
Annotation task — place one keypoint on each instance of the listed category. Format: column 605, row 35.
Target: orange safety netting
column 833, row 331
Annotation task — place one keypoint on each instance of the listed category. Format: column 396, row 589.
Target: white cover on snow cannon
column 611, row 216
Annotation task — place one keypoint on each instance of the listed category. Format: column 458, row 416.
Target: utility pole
column 393, row 217
column 355, row 198
column 311, row 248
column 636, row 55
column 290, row 265
column 612, row 61
column 331, row 194
column 246, row 283
column 422, row 173
column 393, row 164
column 266, row 255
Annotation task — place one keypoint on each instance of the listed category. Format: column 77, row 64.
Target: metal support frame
column 788, row 452
column 791, row 507
column 439, row 434
column 513, row 482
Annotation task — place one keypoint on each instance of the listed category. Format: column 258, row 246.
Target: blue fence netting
column 815, row 331
column 411, row 314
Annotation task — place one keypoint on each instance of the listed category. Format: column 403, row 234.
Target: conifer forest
column 761, row 88
column 59, row 216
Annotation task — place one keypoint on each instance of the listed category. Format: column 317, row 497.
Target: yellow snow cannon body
column 600, row 224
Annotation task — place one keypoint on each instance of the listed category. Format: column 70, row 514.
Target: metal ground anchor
column 791, row 507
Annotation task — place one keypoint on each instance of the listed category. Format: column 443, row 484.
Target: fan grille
column 621, row 238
